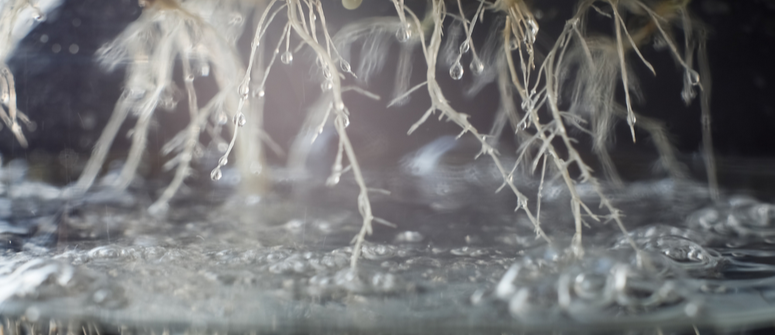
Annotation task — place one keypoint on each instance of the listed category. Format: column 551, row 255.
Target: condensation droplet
column 456, row 71
column 286, row 58
column 216, row 174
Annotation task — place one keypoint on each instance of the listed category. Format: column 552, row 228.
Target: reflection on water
column 279, row 262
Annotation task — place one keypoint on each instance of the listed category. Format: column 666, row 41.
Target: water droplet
column 465, row 47
column 261, row 93
column 456, row 71
column 38, row 16
column 222, row 118
column 404, row 34
column 313, row 17
column 190, row 78
column 244, row 89
column 326, row 85
column 513, row 44
column 339, row 106
column 240, row 120
column 409, row 237
column 693, row 77
column 223, row 161
column 286, row 58
column 236, row 19
column 476, row 66
column 216, row 174
column 345, row 66
column 533, row 30
column 204, row 71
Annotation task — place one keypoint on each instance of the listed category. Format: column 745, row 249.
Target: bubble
column 286, row 58
column 216, row 174
column 456, row 71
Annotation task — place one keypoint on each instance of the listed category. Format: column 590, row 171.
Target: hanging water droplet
column 476, row 66
column 533, row 31
column 346, row 120
column 403, row 34
column 456, row 71
column 204, row 71
column 240, row 120
column 465, row 47
column 339, row 106
column 236, row 19
column 313, row 17
column 216, row 174
column 326, row 85
column 261, row 93
column 693, row 77
column 327, row 73
column 631, row 120
column 345, row 66
column 223, row 161
column 286, row 58
column 244, row 89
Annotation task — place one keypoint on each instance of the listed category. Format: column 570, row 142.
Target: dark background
column 70, row 97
